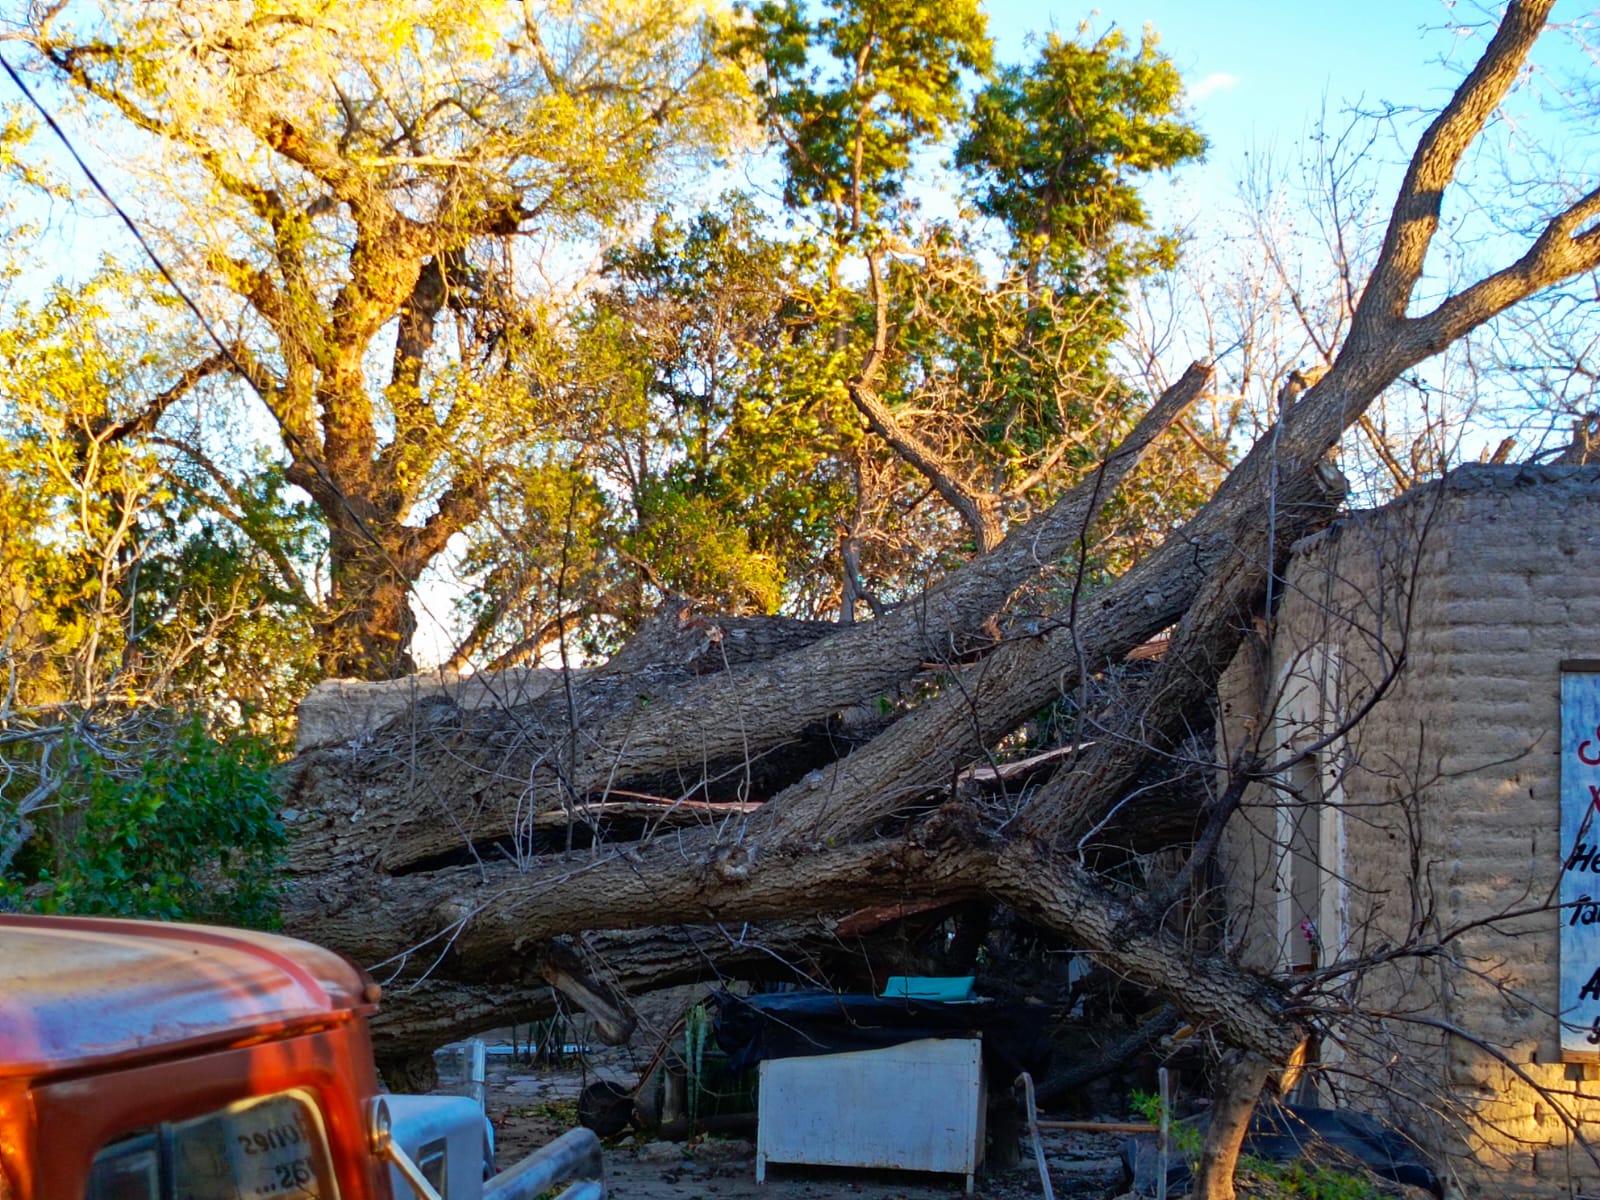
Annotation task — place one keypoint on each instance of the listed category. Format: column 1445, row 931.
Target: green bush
column 1263, row 1180
column 181, row 827
column 1303, row 1180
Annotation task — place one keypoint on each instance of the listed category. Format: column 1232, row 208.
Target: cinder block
column 1470, row 1067
column 1491, row 580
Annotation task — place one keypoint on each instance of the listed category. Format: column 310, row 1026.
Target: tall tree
column 358, row 192
column 975, row 355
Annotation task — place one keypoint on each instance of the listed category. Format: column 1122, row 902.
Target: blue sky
column 1259, row 73
column 1280, row 57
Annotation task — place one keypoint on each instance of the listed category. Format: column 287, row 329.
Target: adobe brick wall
column 1449, row 795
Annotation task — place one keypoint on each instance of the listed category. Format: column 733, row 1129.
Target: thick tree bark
column 417, row 1015
column 474, row 922
column 366, row 628
column 1239, row 1084
column 474, row 782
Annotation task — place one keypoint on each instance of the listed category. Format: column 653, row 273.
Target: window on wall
column 1312, row 895
column 1302, row 879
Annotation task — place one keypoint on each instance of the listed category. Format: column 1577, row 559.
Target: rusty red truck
column 157, row 1061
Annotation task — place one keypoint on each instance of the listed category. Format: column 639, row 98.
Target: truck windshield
column 267, row 1148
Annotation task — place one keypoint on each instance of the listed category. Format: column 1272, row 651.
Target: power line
column 132, row 228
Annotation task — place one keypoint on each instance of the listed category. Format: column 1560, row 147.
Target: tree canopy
column 363, row 198
column 839, row 482
column 796, row 408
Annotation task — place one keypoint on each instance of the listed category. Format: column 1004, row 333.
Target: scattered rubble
column 660, row 1154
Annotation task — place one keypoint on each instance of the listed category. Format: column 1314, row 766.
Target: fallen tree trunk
column 419, row 1014
column 474, row 775
column 927, row 749
column 1070, row 1081
column 796, row 854
column 474, row 922
column 371, row 866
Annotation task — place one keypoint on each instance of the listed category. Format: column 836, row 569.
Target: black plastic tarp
column 1282, row 1133
column 795, row 1024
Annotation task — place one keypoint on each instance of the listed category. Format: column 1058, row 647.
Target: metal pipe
column 589, row 1189
column 1026, row 1081
column 1166, row 1135
column 478, row 1072
column 413, row 1174
column 576, row 1152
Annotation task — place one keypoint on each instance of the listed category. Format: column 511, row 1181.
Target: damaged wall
column 1449, row 613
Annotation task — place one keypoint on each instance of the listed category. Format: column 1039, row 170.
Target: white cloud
column 1217, row 81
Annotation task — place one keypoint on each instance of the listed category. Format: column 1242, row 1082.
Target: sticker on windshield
column 269, row 1150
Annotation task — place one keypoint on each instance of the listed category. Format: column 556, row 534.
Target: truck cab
column 153, row 1061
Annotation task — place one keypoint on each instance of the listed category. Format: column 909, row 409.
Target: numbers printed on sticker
column 279, row 1137
column 294, row 1174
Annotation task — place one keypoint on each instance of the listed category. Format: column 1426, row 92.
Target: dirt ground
column 529, row 1106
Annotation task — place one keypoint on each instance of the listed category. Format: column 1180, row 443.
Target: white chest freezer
column 918, row 1106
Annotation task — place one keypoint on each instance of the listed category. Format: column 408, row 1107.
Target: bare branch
column 1433, row 165
column 144, row 422
column 979, row 510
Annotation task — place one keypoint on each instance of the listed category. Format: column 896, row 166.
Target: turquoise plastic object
column 951, row 988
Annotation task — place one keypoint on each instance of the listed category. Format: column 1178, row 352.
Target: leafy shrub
column 1303, row 1180
column 1186, row 1137
column 181, row 826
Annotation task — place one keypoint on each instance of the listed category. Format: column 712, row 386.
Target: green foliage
column 1146, row 1105
column 701, row 551
column 688, row 426
column 1302, row 1180
column 178, row 825
column 719, row 357
column 371, row 187
column 703, row 419
column 1054, row 149
column 129, row 569
column 733, row 502
column 855, row 91
column 1186, row 1137
column 125, row 597
column 552, row 560
column 213, row 612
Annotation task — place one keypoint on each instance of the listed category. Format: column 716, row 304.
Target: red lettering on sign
column 1587, row 754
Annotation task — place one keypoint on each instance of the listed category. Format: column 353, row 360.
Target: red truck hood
column 77, row 991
